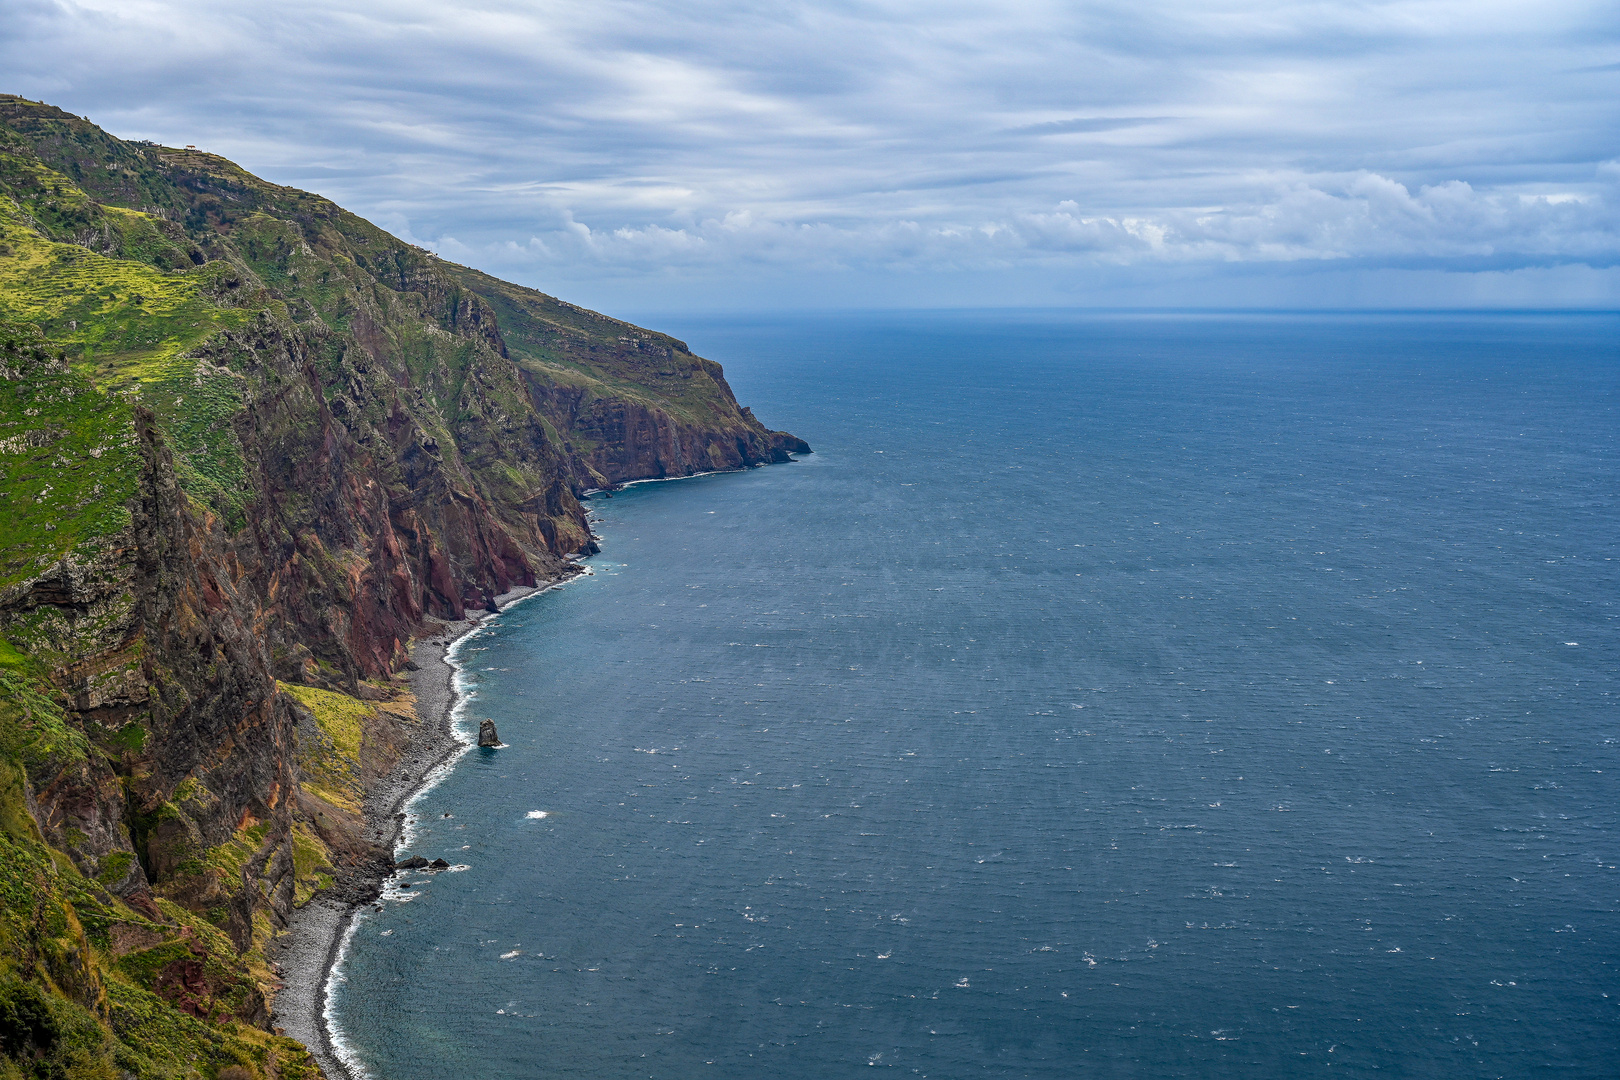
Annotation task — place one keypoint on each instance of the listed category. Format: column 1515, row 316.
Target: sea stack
column 487, row 736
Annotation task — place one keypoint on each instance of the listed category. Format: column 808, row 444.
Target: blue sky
column 729, row 154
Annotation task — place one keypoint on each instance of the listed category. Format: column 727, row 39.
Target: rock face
column 251, row 446
column 636, row 404
column 487, row 735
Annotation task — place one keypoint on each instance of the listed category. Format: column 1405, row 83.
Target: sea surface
column 1107, row 696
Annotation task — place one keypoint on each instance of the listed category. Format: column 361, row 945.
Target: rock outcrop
column 251, row 446
column 487, row 735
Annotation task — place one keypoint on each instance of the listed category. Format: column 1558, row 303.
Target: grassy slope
column 121, row 267
column 131, row 323
column 93, row 336
column 81, row 970
column 89, row 985
column 608, row 358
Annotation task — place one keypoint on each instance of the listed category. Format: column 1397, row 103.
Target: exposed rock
column 487, row 736
column 413, row 863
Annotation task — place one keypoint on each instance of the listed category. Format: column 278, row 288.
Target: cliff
column 250, row 445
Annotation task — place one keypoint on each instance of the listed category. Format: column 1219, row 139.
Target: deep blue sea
column 1107, row 696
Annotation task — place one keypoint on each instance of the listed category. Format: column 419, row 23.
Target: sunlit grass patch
column 330, row 757
column 124, row 323
column 312, row 864
column 125, row 330
column 68, row 463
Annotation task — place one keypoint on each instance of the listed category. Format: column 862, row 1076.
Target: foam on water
column 353, row 1061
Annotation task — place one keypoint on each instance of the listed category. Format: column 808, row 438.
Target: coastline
column 306, row 953
column 313, row 943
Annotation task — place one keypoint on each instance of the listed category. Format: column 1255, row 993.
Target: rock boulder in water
column 487, row 735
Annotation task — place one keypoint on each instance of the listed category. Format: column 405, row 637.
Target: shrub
column 26, row 1023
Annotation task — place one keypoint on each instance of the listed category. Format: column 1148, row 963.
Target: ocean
column 1107, row 696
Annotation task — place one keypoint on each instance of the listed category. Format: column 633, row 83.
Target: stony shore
column 316, row 932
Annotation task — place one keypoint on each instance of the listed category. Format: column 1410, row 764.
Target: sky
column 734, row 155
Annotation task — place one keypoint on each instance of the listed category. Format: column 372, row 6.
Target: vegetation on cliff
column 250, row 444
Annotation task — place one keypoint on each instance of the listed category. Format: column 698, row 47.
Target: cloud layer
column 635, row 152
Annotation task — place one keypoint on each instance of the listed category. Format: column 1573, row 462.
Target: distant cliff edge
column 251, row 444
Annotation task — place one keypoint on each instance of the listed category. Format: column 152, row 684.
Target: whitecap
column 534, row 814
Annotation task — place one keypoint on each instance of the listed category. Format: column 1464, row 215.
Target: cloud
column 1362, row 217
column 1087, row 124
column 626, row 141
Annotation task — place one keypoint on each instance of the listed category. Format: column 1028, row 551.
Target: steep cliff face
column 249, row 445
column 632, row 403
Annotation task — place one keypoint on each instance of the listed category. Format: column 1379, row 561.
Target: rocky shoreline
column 314, row 939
